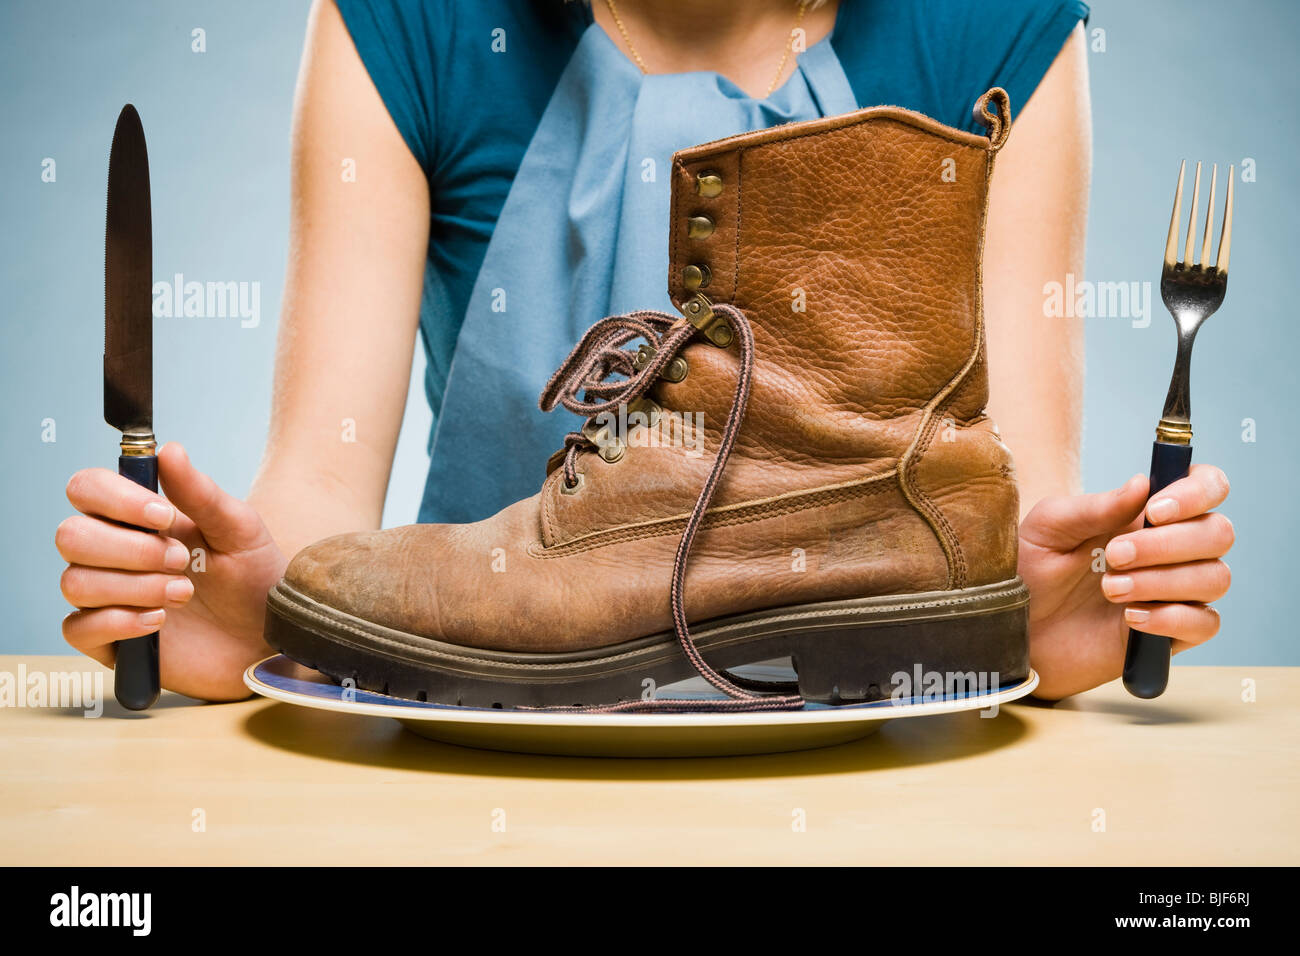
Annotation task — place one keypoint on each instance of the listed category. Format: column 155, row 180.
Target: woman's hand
column 359, row 250
column 201, row 581
column 1159, row 579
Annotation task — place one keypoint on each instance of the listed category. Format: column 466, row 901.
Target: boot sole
column 844, row 652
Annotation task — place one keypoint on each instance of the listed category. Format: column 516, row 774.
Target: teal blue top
column 547, row 154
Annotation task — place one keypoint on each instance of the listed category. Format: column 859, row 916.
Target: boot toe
column 358, row 573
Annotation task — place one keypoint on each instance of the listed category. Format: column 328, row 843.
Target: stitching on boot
column 907, row 466
column 922, row 503
column 961, row 575
column 872, row 114
column 740, row 203
column 958, row 555
column 925, row 510
column 674, row 255
column 741, row 512
column 548, row 512
column 376, row 632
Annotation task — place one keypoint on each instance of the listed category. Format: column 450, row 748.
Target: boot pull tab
column 996, row 120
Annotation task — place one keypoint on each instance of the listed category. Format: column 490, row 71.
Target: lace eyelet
column 708, row 184
column 699, row 227
column 674, row 371
column 612, row 452
column 566, row 490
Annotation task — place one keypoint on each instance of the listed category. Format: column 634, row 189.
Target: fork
column 1192, row 291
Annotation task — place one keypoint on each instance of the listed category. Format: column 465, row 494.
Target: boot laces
column 580, row 386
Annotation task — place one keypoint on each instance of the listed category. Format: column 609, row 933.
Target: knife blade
column 128, row 359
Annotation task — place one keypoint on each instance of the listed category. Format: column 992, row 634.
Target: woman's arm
column 357, row 253
column 1161, row 578
column 1038, row 208
column 351, row 305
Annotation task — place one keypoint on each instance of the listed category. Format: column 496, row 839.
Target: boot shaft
column 854, row 245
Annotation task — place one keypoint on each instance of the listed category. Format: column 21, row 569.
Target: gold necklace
column 785, row 57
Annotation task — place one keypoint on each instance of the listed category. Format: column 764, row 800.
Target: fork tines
column 1225, row 237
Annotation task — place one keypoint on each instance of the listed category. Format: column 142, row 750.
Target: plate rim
column 844, row 714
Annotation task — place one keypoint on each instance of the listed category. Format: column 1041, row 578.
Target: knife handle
column 135, row 675
column 1146, row 661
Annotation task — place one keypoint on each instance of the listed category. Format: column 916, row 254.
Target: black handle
column 135, row 674
column 1146, row 662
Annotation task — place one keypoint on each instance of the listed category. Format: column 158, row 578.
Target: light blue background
column 1181, row 79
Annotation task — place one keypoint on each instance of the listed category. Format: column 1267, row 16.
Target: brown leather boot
column 852, row 506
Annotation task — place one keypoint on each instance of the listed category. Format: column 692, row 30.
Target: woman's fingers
column 225, row 522
column 100, row 492
column 118, row 576
column 1165, row 575
column 1205, row 487
column 86, row 587
column 1187, row 624
column 1201, row 581
column 1206, row 536
column 1063, row 522
column 102, row 544
column 94, row 631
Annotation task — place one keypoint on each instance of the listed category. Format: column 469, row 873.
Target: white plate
column 619, row 735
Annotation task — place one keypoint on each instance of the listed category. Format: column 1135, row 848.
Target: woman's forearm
column 352, row 293
column 299, row 509
column 1036, row 229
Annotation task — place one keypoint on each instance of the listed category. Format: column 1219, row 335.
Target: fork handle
column 1146, row 662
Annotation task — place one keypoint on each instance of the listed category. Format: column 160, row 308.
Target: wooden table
column 1199, row 776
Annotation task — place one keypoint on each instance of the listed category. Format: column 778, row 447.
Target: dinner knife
column 128, row 359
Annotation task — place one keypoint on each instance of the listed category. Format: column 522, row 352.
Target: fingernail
column 179, row 590
column 1116, row 585
column 158, row 514
column 1135, row 615
column 1163, row 509
column 177, row 557
column 1120, row 553
column 152, row 618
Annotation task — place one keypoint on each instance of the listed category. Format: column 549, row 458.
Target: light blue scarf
column 583, row 234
